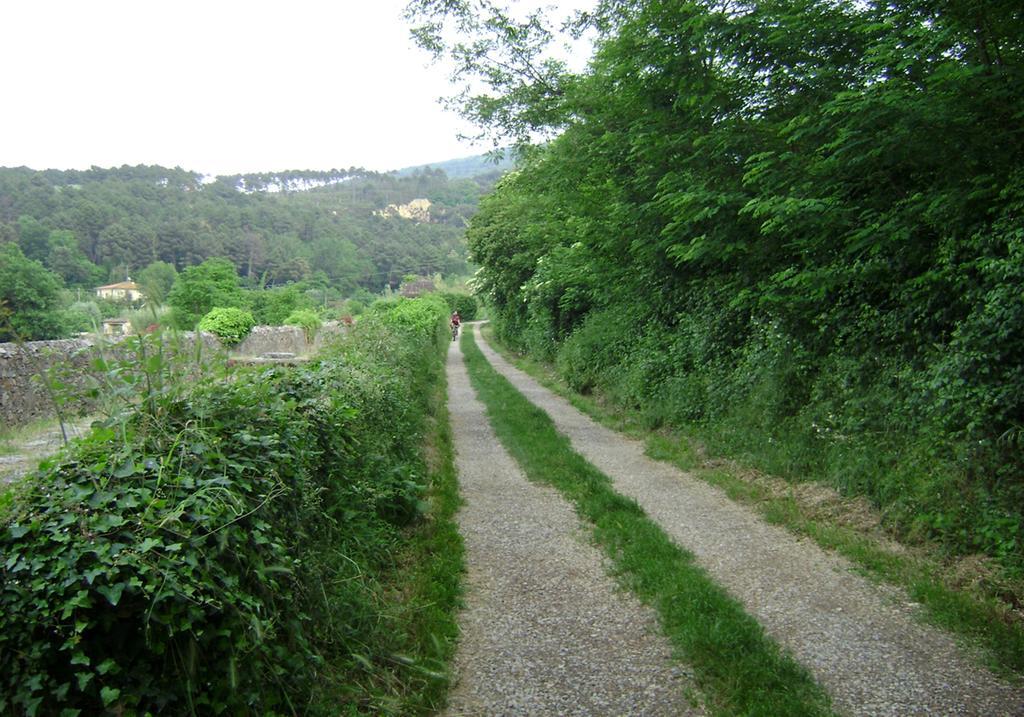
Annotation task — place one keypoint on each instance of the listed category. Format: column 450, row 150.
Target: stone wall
column 23, row 398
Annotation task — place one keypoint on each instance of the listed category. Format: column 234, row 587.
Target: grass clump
column 736, row 663
column 307, row 319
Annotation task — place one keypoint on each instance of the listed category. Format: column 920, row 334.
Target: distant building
column 418, row 210
column 116, row 327
column 122, row 291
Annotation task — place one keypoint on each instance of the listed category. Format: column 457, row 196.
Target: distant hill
column 464, row 167
column 330, row 228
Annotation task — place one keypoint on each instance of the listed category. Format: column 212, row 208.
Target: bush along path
column 251, row 544
column 860, row 641
column 545, row 629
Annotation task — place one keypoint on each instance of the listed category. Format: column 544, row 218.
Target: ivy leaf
column 109, row 694
column 112, row 593
column 109, row 521
column 125, row 469
column 84, row 678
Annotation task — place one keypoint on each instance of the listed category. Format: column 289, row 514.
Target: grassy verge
column 979, row 608
column 739, row 667
column 427, row 585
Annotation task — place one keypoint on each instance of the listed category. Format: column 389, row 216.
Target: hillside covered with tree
column 795, row 228
column 327, row 230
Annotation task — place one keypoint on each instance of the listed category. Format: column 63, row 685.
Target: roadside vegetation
column 741, row 670
column 967, row 596
column 268, row 541
column 790, row 230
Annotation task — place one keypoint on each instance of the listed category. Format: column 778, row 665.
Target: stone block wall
column 285, row 339
column 23, row 396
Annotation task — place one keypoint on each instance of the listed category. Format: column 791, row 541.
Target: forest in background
column 327, row 234
column 793, row 229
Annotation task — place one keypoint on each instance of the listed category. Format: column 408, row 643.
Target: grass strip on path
column 974, row 614
column 741, row 669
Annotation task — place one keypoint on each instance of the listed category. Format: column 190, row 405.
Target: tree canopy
column 102, row 224
column 29, row 298
column 198, row 289
column 799, row 218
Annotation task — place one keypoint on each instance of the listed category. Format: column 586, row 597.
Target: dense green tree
column 797, row 222
column 198, row 289
column 113, row 245
column 33, row 238
column 66, row 259
column 29, row 298
column 156, row 281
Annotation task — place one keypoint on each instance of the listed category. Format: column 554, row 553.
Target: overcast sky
column 219, row 86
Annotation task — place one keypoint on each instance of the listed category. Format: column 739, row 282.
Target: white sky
column 220, row 86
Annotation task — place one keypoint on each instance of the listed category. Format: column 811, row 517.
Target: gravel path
column 861, row 641
column 545, row 630
column 29, row 449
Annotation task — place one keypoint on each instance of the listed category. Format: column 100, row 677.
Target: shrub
column 307, row 319
column 200, row 288
column 221, row 551
column 353, row 307
column 84, row 316
column 230, row 325
column 465, row 304
column 271, row 307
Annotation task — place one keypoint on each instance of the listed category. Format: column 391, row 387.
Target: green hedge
column 465, row 304
column 308, row 319
column 229, row 324
column 221, row 552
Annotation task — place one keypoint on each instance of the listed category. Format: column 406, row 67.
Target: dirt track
column 862, row 642
column 545, row 630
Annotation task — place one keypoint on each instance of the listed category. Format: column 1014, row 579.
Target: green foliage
column 308, row 319
column 465, row 304
column 230, row 324
column 30, row 296
column 200, row 288
column 222, row 549
column 156, row 281
column 761, row 237
column 271, row 307
column 84, row 316
column 353, row 307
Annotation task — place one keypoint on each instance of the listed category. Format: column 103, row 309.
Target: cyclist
column 456, row 322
